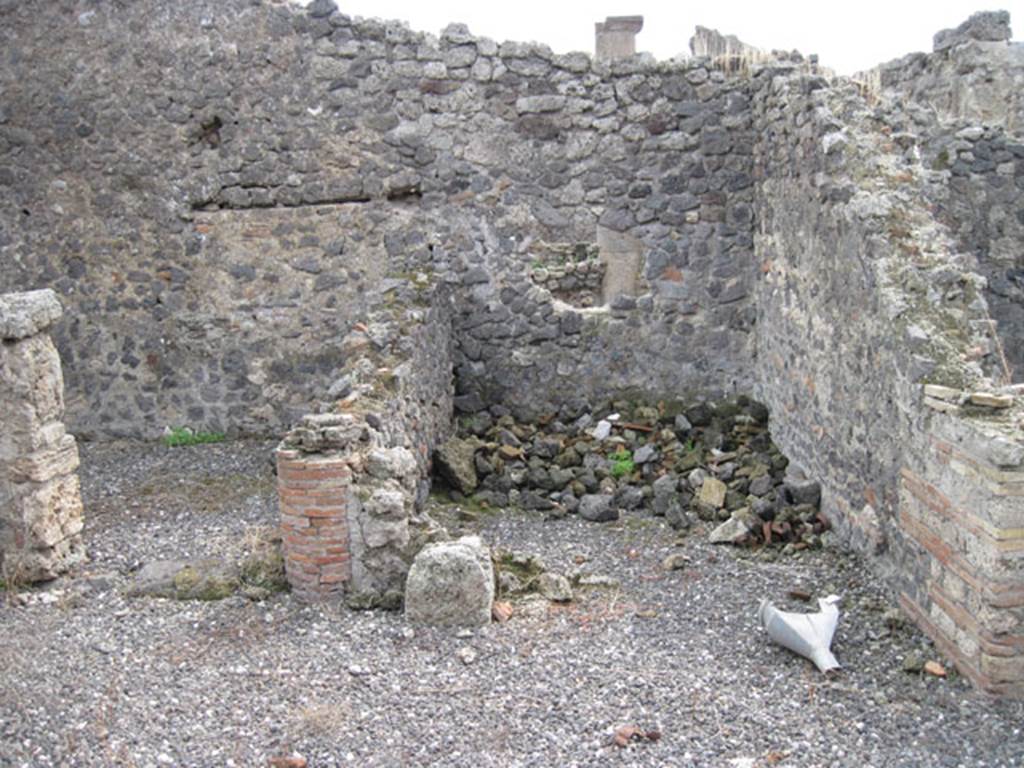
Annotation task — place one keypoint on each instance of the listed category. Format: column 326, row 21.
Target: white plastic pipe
column 809, row 634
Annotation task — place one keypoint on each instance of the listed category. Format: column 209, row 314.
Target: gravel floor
column 90, row 678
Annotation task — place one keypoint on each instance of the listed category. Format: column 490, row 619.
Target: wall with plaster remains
column 189, row 189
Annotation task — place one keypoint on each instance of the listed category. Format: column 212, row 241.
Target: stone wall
column 981, row 199
column 963, row 102
column 189, row 191
column 249, row 208
column 975, row 73
column 871, row 326
column 40, row 506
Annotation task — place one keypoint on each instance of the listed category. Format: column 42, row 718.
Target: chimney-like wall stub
column 615, row 37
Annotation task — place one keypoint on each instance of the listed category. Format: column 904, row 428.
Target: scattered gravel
column 91, row 678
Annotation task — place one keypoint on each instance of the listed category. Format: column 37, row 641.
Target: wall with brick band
column 352, row 478
column 912, row 430
column 961, row 509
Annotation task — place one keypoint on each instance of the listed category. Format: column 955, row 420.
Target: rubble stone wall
column 975, row 73
column 981, row 199
column 188, row 190
column 879, row 363
column 963, row 102
column 40, row 506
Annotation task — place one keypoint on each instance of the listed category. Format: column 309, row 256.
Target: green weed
column 184, row 436
column 622, row 463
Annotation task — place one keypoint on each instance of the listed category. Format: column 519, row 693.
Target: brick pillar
column 314, row 492
column 963, row 512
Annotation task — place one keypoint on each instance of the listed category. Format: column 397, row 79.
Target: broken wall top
column 28, row 313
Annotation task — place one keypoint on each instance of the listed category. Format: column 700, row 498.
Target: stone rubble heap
column 715, row 462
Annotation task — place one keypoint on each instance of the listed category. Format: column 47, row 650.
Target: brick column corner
column 314, row 492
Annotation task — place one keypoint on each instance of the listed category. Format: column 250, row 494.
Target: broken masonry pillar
column 615, row 37
column 40, row 503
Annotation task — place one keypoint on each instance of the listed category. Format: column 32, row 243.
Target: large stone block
column 451, row 584
column 32, row 390
column 27, row 314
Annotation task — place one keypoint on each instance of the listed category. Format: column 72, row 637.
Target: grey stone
column 666, row 485
column 475, row 276
column 26, row 314
column 391, row 463
column 548, row 215
column 598, row 508
column 543, row 103
column 618, row 219
column 665, row 495
column 460, row 56
column 202, row 579
column 628, row 497
column 764, row 509
column 682, row 424
column 560, row 477
column 802, row 491
column 457, row 34
column 677, row 517
column 454, row 459
column 319, row 9
column 988, row 26
column 644, row 454
column 554, row 587
column 760, row 486
column 451, row 584
column 535, row 501
column 732, row 531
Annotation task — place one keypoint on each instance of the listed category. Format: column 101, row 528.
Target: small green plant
column 184, row 436
column 622, row 463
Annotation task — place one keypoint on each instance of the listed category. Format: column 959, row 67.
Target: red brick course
column 314, row 493
column 970, row 600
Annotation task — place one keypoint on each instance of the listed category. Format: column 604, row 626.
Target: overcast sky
column 848, row 36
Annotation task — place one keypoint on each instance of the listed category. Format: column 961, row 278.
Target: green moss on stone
column 189, row 584
column 264, row 570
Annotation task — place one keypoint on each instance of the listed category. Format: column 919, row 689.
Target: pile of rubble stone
column 707, row 461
